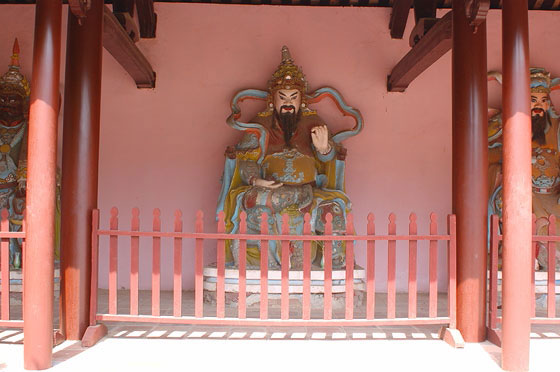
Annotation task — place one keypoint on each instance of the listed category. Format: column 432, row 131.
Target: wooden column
column 41, row 186
column 516, row 289
column 82, row 100
column 470, row 172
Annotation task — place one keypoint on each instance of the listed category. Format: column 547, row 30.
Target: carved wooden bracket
column 79, row 8
column 476, row 11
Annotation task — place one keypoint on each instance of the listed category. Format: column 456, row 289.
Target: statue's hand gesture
column 266, row 183
column 320, row 138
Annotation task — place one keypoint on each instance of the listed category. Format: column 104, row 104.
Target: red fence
column 220, row 314
column 539, row 289
column 8, row 319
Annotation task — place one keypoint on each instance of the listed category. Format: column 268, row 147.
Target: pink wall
column 164, row 147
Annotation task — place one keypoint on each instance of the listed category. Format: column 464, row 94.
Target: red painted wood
column 516, row 98
column 94, row 266
column 452, row 269
column 533, row 260
column 285, row 284
column 5, row 267
column 156, row 264
column 221, row 263
column 551, row 285
column 23, row 250
column 370, row 257
column 241, row 303
column 494, row 245
column 391, row 268
column 11, row 323
column 218, row 236
column 113, row 261
column 349, row 311
column 327, row 284
column 177, row 266
column 134, row 262
column 264, row 268
column 433, row 268
column 199, row 268
column 272, row 322
column 306, row 303
column 412, row 264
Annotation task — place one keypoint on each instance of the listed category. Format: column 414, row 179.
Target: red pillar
column 41, row 184
column 470, row 171
column 82, row 102
column 516, row 289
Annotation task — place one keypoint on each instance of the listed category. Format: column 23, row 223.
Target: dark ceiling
column 495, row 4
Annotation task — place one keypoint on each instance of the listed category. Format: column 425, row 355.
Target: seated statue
column 14, row 108
column 545, row 159
column 287, row 162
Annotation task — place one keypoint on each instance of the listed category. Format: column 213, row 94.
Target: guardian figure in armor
column 287, row 162
column 14, row 108
column 545, row 158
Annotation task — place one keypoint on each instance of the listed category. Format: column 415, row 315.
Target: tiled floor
column 214, row 348
column 157, row 347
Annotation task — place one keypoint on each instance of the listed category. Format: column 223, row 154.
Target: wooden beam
column 123, row 6
column 424, row 9
column 428, row 50
column 147, row 18
column 122, row 48
column 399, row 16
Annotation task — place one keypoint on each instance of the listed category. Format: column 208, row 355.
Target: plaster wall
column 163, row 148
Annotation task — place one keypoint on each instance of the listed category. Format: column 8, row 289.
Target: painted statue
column 545, row 158
column 14, row 107
column 287, row 162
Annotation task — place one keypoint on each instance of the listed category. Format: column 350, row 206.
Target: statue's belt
column 546, row 190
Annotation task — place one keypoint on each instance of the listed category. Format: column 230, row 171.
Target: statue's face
column 11, row 106
column 540, row 103
column 287, row 101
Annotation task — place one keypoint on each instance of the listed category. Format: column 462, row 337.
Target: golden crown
column 540, row 80
column 287, row 75
column 13, row 81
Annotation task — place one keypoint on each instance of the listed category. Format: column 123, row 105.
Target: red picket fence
column 551, row 276
column 7, row 319
column 200, row 313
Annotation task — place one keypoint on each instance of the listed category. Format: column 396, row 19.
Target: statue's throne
column 329, row 189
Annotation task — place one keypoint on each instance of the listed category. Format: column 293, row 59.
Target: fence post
column 412, row 267
column 551, row 285
column 156, row 263
column 199, row 268
column 242, row 283
column 113, row 261
column 264, row 268
column 349, row 313
column 178, row 265
column 433, row 296
column 5, row 266
column 134, row 261
column 370, row 257
column 452, row 269
column 391, row 268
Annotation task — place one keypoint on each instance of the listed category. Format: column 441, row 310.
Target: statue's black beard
column 288, row 122
column 538, row 126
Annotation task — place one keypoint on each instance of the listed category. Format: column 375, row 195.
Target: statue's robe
column 309, row 181
column 545, row 177
column 13, row 169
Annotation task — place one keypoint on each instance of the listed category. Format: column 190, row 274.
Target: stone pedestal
column 275, row 287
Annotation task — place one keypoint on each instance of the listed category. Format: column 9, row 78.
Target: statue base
column 295, row 278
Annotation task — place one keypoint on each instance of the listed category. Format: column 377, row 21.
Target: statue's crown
column 287, row 75
column 540, row 80
column 13, row 81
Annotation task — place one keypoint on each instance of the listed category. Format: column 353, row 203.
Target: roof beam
column 122, row 48
column 426, row 52
column 147, row 18
column 399, row 16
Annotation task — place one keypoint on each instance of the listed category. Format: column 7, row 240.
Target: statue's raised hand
column 266, row 183
column 320, row 138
